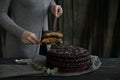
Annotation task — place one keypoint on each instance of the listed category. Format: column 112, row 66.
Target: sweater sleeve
column 6, row 22
column 52, row 3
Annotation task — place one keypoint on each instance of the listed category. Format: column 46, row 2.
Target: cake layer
column 52, row 34
column 67, row 65
column 72, row 70
column 68, row 59
column 68, row 51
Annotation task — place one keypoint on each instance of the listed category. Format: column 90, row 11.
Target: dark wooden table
column 109, row 70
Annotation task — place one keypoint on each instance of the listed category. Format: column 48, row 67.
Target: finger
column 35, row 39
column 59, row 11
column 27, row 42
column 30, row 40
column 56, row 11
column 59, row 14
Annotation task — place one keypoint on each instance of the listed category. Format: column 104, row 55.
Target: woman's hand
column 29, row 38
column 57, row 10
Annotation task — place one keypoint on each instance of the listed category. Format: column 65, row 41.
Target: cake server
column 55, row 24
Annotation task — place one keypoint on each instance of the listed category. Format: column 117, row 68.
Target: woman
column 24, row 26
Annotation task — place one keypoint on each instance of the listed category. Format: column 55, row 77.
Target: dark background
column 91, row 24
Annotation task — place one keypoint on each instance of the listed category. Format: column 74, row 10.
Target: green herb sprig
column 45, row 70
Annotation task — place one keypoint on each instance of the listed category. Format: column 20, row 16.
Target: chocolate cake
column 68, row 58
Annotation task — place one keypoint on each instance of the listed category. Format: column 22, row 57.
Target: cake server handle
column 55, row 24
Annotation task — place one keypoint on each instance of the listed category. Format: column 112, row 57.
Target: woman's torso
column 32, row 16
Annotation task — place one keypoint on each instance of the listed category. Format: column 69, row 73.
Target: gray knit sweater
column 25, row 15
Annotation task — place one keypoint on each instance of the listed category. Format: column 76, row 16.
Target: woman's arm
column 6, row 22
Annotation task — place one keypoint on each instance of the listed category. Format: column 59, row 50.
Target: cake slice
column 52, row 34
column 52, row 37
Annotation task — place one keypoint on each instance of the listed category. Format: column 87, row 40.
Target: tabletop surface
column 109, row 70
